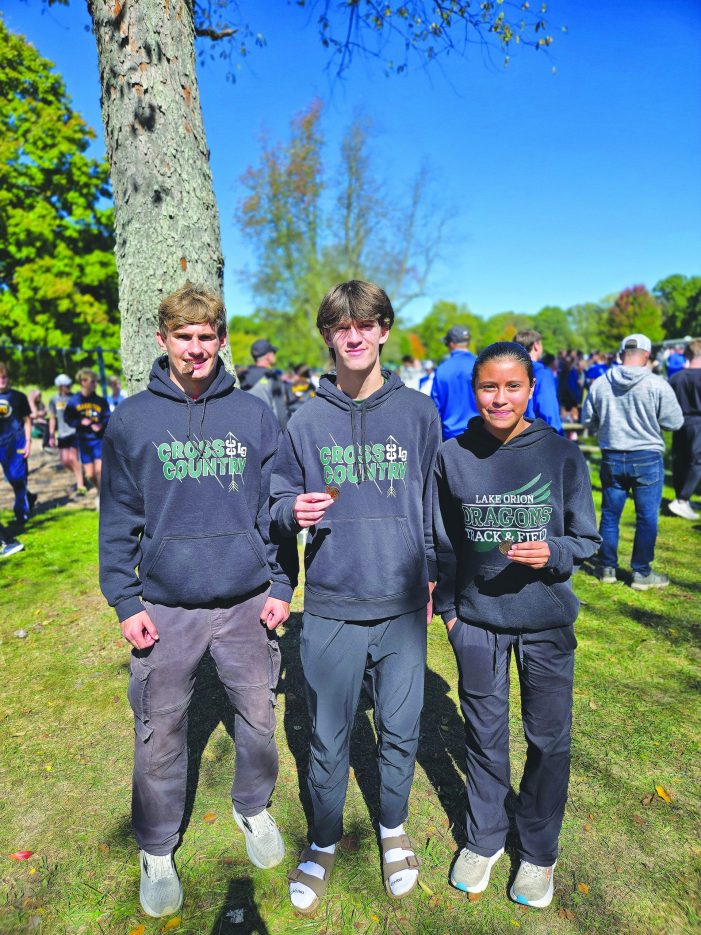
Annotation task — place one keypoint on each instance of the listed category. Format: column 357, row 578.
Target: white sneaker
column 264, row 844
column 161, row 892
column 684, row 509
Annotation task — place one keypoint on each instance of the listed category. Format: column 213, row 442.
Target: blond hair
column 191, row 305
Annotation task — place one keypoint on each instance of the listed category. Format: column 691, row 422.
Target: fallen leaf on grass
column 21, row 855
column 474, row 897
column 48, row 767
column 566, row 914
column 594, row 706
column 646, row 799
column 171, row 924
column 663, row 794
column 434, row 902
column 639, row 820
column 139, row 930
column 374, row 917
column 587, row 827
column 430, row 830
column 104, row 848
column 209, row 818
column 515, row 923
column 427, row 891
column 583, row 888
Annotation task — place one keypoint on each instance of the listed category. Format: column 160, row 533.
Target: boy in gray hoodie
column 629, row 407
column 354, row 467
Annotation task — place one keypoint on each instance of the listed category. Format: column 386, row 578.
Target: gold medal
column 332, row 492
column 506, row 544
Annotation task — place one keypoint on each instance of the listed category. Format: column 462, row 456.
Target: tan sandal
column 318, row 887
column 406, row 863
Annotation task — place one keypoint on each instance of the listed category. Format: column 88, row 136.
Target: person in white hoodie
column 629, row 407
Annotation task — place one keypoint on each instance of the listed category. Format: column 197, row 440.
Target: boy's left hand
column 535, row 554
column 274, row 612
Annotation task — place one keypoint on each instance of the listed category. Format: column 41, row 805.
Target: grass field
column 630, row 861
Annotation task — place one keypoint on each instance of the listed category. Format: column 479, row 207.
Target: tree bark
column 166, row 218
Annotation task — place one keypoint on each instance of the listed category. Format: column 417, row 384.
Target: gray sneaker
column 471, row 871
column 645, row 582
column 533, row 885
column 264, row 844
column 606, row 574
column 161, row 892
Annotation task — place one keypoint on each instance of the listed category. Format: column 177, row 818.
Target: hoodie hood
column 161, row 384
column 623, row 379
column 483, row 444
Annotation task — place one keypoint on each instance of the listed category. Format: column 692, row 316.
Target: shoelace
column 260, row 824
column 470, row 857
column 532, row 870
column 158, row 867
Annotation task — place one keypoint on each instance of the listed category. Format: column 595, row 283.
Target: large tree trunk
column 166, row 220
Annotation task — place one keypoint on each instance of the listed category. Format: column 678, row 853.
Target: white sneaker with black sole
column 264, row 844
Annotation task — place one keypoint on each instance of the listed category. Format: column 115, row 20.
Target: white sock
column 402, row 881
column 302, row 896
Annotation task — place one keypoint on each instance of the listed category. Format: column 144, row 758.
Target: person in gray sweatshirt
column 629, row 407
column 514, row 517
column 354, row 468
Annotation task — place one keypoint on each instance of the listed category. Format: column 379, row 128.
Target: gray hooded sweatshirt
column 629, row 407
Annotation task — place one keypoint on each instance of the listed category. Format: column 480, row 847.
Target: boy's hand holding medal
column 309, row 508
column 535, row 554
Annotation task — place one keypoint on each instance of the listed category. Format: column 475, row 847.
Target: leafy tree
column 553, row 324
column 634, row 310
column 166, row 219
column 443, row 315
column 680, row 298
column 58, row 281
column 503, row 326
column 309, row 231
column 587, row 325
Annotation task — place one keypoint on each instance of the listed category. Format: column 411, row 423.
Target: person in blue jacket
column 15, row 442
column 452, row 387
column 544, row 403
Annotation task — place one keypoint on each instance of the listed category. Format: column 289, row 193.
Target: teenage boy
column 185, row 500
column 88, row 413
column 354, row 468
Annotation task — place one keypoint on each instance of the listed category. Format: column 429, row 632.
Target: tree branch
column 214, row 34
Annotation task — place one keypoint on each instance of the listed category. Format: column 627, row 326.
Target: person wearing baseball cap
column 452, row 383
column 629, row 407
column 263, row 381
column 64, row 436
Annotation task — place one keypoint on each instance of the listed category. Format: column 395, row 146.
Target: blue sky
column 567, row 187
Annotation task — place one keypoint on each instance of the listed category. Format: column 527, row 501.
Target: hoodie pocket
column 202, row 569
column 511, row 597
column 369, row 557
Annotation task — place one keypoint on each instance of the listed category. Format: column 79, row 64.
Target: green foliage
column 680, row 297
column 503, row 326
column 554, row 325
column 587, row 321
column 58, row 281
column 310, row 230
column 442, row 316
column 634, row 310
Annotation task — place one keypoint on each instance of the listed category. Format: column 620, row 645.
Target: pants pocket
column 139, row 695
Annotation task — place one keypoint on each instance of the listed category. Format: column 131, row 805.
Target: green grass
column 65, row 767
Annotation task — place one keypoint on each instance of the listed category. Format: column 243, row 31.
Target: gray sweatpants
column 335, row 656
column 161, row 684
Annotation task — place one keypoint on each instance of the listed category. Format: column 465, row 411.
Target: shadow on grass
column 672, row 629
column 240, row 913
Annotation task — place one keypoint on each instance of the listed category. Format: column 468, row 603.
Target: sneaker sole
column 166, row 912
column 637, row 586
column 483, row 883
column 535, row 903
column 251, row 855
